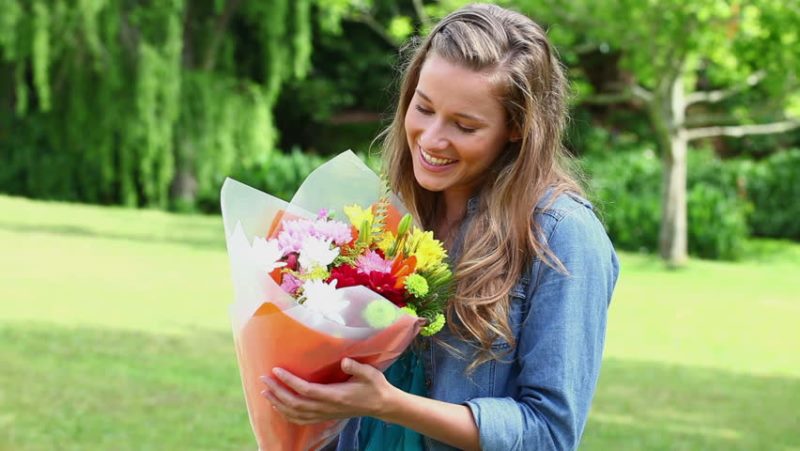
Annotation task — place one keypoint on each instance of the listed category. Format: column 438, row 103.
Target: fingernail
column 264, row 379
column 277, row 371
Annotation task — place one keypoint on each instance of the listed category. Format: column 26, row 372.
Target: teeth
column 433, row 160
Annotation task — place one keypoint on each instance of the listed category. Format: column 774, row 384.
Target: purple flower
column 291, row 237
column 294, row 232
column 290, row 284
column 336, row 231
column 372, row 262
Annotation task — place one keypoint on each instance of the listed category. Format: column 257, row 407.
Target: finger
column 354, row 368
column 277, row 404
column 267, row 393
column 284, row 396
column 277, row 387
column 294, row 405
column 292, row 415
column 289, row 410
column 299, row 385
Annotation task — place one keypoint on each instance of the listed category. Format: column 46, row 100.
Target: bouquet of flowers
column 338, row 272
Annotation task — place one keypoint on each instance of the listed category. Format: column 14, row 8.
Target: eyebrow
column 462, row 115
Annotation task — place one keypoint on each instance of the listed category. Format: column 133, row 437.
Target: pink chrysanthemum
column 372, row 261
column 290, row 284
column 294, row 232
column 336, row 231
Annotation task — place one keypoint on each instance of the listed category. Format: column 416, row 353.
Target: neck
column 455, row 204
column 454, row 208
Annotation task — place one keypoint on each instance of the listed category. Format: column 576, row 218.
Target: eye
column 465, row 129
column 424, row 111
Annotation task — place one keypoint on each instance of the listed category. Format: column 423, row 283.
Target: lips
column 435, row 161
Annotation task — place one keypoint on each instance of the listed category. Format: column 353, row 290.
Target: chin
column 428, row 184
column 431, row 188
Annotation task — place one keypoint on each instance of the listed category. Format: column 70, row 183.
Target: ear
column 515, row 135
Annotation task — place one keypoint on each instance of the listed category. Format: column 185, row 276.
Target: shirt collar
column 456, row 249
column 472, row 205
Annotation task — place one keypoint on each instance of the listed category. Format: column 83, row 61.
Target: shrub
column 280, row 175
column 717, row 223
column 773, row 187
column 627, row 189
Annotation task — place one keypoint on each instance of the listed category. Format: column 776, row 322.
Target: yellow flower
column 386, row 242
column 357, row 215
column 428, row 250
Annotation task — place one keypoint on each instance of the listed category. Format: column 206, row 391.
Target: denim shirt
column 538, row 396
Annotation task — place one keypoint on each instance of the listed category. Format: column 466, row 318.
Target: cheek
column 417, row 123
column 482, row 152
column 409, row 121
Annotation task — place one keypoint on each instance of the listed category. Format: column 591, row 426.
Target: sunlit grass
column 114, row 335
column 112, row 268
column 734, row 316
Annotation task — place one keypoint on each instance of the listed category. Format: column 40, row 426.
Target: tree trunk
column 673, row 237
column 183, row 192
column 184, row 185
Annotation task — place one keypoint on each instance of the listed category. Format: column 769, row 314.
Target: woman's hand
column 367, row 393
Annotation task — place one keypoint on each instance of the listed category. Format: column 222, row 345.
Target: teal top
column 407, row 374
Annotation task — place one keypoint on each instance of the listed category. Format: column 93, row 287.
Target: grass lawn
column 114, row 335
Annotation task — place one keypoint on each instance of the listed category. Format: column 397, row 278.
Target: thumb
column 353, row 368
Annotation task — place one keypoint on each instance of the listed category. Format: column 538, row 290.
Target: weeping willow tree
column 141, row 102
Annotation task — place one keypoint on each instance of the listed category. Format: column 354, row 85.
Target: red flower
column 381, row 283
column 291, row 261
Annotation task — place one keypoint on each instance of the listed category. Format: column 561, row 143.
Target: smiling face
column 455, row 126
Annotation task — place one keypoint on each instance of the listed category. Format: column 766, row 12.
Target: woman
column 475, row 152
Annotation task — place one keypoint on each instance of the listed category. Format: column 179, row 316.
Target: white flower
column 325, row 299
column 316, row 252
column 266, row 254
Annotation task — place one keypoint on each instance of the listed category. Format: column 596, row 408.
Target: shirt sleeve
column 560, row 344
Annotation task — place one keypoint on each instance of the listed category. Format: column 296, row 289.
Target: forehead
column 458, row 89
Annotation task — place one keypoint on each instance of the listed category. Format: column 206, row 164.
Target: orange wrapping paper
column 273, row 339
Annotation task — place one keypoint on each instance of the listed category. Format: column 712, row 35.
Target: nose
column 433, row 137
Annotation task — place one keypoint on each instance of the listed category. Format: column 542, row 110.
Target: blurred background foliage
column 153, row 104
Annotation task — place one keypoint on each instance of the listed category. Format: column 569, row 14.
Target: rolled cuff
column 500, row 423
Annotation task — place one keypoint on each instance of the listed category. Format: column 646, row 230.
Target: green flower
column 404, row 224
column 416, row 285
column 379, row 314
column 409, row 309
column 434, row 327
column 316, row 273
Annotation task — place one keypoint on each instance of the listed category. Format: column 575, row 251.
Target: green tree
column 134, row 102
column 679, row 61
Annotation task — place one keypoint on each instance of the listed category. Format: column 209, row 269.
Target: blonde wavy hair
column 503, row 238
